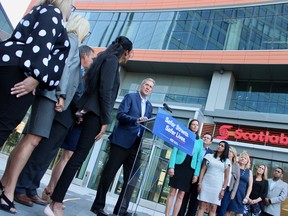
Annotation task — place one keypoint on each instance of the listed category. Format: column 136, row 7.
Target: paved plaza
column 79, row 200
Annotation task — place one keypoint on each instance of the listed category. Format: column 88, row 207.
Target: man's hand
column 142, row 119
column 102, row 131
column 26, row 86
column 266, row 201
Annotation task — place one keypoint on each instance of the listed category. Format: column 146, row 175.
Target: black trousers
column 30, row 177
column 12, row 109
column 91, row 127
column 190, row 199
column 131, row 162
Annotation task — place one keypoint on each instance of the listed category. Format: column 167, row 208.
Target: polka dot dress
column 39, row 45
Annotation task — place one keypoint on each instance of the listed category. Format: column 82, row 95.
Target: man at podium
column 124, row 144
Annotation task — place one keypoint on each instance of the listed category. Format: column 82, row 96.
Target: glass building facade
column 6, row 27
column 243, row 28
column 262, row 27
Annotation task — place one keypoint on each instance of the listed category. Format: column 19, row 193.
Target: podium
column 141, row 182
column 160, row 133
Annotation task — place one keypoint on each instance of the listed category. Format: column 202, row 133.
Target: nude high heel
column 48, row 211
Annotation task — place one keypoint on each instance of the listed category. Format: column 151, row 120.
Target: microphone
column 166, row 107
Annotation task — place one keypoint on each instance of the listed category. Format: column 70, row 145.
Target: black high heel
column 8, row 206
column 1, row 186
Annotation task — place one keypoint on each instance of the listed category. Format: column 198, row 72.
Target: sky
column 15, row 9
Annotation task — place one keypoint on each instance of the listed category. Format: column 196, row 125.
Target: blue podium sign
column 173, row 132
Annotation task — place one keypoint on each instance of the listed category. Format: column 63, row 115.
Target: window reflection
column 260, row 97
column 248, row 28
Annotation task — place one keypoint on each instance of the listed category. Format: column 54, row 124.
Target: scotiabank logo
column 226, row 131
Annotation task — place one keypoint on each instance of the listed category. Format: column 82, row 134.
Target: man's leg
column 131, row 174
column 117, row 155
column 193, row 201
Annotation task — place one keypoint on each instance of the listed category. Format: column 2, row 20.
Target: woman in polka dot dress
column 35, row 55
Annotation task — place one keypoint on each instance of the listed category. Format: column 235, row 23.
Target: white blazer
column 277, row 195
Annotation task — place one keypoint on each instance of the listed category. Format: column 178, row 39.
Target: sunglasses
column 73, row 8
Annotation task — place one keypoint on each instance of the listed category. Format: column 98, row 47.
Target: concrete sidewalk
column 79, row 205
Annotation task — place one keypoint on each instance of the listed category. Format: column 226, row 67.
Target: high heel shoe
column 46, row 195
column 8, row 206
column 48, row 211
column 1, row 187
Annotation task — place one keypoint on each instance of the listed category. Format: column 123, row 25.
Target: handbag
column 253, row 209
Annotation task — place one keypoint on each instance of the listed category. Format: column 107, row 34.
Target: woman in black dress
column 258, row 193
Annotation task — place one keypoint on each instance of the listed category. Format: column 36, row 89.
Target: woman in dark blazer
column 259, row 192
column 102, row 84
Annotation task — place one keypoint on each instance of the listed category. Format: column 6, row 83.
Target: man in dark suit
column 190, row 198
column 124, row 145
column 41, row 157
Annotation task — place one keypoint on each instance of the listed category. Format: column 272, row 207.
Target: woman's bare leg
column 58, row 169
column 178, row 202
column 169, row 201
column 17, row 162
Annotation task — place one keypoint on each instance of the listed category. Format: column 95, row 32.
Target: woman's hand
column 60, row 105
column 199, row 188
column 171, row 172
column 102, row 131
column 245, row 200
column 194, row 180
column 221, row 194
column 232, row 196
column 26, row 86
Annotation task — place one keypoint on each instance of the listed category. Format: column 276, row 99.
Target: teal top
column 178, row 157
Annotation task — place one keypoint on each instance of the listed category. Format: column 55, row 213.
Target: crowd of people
column 72, row 91
column 225, row 183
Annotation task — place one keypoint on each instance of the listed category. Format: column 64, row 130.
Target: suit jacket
column 209, row 151
column 102, row 99
column 235, row 178
column 277, row 194
column 126, row 131
column 178, row 157
column 70, row 77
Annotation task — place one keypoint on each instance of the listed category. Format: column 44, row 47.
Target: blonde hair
column 233, row 150
column 245, row 154
column 65, row 6
column 79, row 25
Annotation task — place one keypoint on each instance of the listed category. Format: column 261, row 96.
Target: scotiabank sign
column 228, row 132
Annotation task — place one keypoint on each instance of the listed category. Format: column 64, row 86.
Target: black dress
column 183, row 174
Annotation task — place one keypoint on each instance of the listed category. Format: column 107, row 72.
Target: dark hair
column 84, row 49
column 209, row 135
column 225, row 153
column 197, row 135
column 280, row 169
column 117, row 48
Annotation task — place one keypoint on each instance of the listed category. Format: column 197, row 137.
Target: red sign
column 226, row 131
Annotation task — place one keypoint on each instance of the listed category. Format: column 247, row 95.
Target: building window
column 249, row 28
column 260, row 97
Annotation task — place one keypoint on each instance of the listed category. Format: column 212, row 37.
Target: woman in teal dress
column 183, row 170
